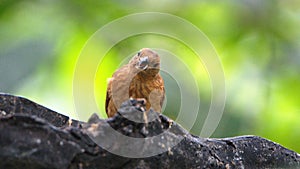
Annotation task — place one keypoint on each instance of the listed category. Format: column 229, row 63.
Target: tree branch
column 32, row 136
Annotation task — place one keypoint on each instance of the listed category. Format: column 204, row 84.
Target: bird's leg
column 140, row 104
column 145, row 118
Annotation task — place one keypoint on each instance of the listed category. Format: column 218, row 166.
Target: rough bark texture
column 32, row 136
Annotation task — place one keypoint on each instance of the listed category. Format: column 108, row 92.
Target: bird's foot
column 139, row 103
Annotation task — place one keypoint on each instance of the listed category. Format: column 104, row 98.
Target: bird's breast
column 142, row 88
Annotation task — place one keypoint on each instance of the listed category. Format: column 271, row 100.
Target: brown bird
column 139, row 78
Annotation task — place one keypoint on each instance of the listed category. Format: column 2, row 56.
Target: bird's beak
column 143, row 63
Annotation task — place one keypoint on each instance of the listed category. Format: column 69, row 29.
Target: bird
column 139, row 79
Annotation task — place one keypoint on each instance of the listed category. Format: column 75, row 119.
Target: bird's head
column 146, row 61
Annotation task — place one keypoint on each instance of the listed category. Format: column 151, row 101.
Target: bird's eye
column 156, row 65
column 139, row 53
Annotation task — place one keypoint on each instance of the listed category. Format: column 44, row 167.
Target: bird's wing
column 163, row 92
column 116, row 80
column 108, row 94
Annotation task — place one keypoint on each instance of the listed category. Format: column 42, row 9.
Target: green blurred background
column 258, row 43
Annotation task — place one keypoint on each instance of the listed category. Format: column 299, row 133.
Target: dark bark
column 32, row 136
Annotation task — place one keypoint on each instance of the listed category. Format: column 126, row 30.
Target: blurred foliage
column 258, row 43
